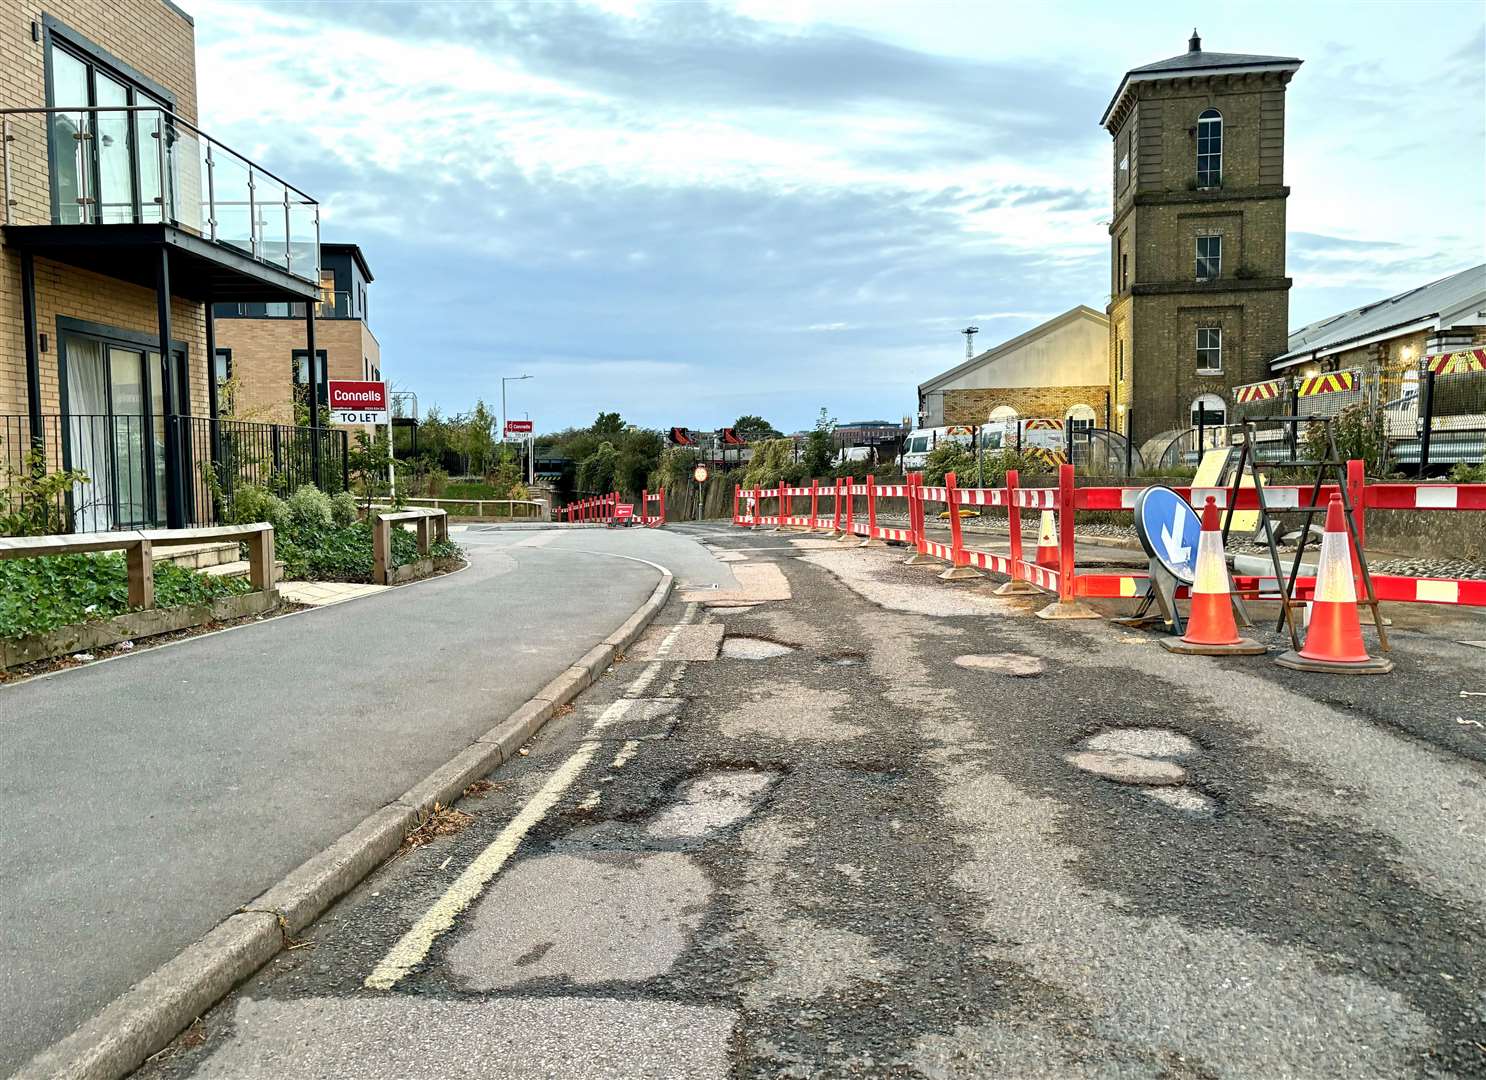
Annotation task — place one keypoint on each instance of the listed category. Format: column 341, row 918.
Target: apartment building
column 262, row 367
column 124, row 224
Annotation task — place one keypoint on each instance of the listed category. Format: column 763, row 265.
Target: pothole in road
column 1143, row 742
column 710, row 802
column 743, row 647
column 1185, row 798
column 1127, row 768
column 1016, row 665
column 845, row 658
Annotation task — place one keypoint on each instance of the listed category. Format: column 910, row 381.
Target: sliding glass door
column 115, row 430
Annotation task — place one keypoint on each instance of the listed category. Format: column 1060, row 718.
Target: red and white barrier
column 1067, row 499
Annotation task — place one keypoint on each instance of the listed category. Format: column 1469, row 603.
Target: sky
column 691, row 211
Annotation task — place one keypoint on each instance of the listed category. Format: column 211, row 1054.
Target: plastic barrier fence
column 853, row 508
column 657, row 499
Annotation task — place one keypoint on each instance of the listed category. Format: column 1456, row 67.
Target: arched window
column 1080, row 418
column 1002, row 412
column 1209, row 411
column 1210, row 149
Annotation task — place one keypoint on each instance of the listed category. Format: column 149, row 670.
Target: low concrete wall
column 80, row 637
column 1441, row 534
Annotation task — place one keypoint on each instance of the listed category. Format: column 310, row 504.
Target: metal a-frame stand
column 1247, row 459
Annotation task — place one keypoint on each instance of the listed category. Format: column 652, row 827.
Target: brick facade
column 263, row 355
column 1157, row 303
column 974, row 406
column 159, row 42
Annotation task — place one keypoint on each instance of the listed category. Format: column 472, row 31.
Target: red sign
column 624, row 511
column 358, row 397
column 518, row 427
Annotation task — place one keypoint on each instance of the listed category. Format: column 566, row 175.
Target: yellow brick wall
column 262, row 360
column 158, row 42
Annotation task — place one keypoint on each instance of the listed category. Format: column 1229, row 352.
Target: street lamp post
column 505, row 379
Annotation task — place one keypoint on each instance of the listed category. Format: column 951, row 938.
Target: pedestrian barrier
column 658, row 498
column 751, row 509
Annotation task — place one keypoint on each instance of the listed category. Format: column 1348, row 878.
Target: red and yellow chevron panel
column 1044, row 425
column 1330, row 383
column 1259, row 391
column 1456, row 363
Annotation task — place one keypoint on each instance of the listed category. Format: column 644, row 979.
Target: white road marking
column 591, row 802
column 412, row 948
column 627, row 751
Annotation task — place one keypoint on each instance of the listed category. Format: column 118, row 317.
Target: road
column 147, row 798
column 895, row 829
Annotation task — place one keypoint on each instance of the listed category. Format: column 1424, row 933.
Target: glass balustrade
column 118, row 165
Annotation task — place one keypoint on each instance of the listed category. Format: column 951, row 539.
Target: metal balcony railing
column 326, row 308
column 123, row 165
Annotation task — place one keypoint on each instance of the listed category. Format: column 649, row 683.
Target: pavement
column 149, row 797
column 883, row 825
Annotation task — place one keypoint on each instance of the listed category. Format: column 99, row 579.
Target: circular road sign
column 699, row 474
column 1168, row 529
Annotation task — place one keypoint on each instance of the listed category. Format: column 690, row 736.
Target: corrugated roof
column 1447, row 295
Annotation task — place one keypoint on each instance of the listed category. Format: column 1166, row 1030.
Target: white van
column 922, row 440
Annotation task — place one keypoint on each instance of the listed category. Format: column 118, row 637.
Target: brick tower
column 1199, row 300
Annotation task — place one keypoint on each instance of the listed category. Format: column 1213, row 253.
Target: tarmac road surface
column 147, row 798
column 900, row 827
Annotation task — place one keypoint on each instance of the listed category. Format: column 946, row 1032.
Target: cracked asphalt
column 855, row 856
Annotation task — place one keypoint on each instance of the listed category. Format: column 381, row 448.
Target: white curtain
column 88, row 433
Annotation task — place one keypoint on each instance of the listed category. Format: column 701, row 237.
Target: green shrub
column 250, row 503
column 1469, row 474
column 949, row 457
column 37, row 595
column 309, row 507
column 343, row 509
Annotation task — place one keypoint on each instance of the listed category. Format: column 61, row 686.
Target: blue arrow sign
column 1168, row 529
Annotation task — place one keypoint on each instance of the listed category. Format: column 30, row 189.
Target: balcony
column 85, row 186
column 327, row 308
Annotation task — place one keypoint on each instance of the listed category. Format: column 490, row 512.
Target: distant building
column 261, row 358
column 1392, row 335
column 1057, row 370
column 1199, row 297
column 867, row 432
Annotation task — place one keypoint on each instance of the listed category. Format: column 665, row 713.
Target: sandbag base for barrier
column 847, row 538
column 872, row 541
column 1241, row 647
column 961, row 573
column 1071, row 610
column 1018, row 588
column 1374, row 665
column 920, row 558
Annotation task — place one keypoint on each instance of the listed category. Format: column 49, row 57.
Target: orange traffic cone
column 1047, row 541
column 1211, row 630
column 1333, row 640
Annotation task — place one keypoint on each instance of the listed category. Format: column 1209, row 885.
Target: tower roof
column 1197, row 61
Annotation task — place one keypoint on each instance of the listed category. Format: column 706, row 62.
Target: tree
column 608, row 423
column 476, row 439
column 820, row 446
column 751, row 428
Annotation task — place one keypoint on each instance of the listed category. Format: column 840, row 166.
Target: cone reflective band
column 1047, row 541
column 1211, row 619
column 1335, row 631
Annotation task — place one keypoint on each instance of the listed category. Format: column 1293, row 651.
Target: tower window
column 1120, row 358
column 1209, row 257
column 1210, row 149
column 1209, row 350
